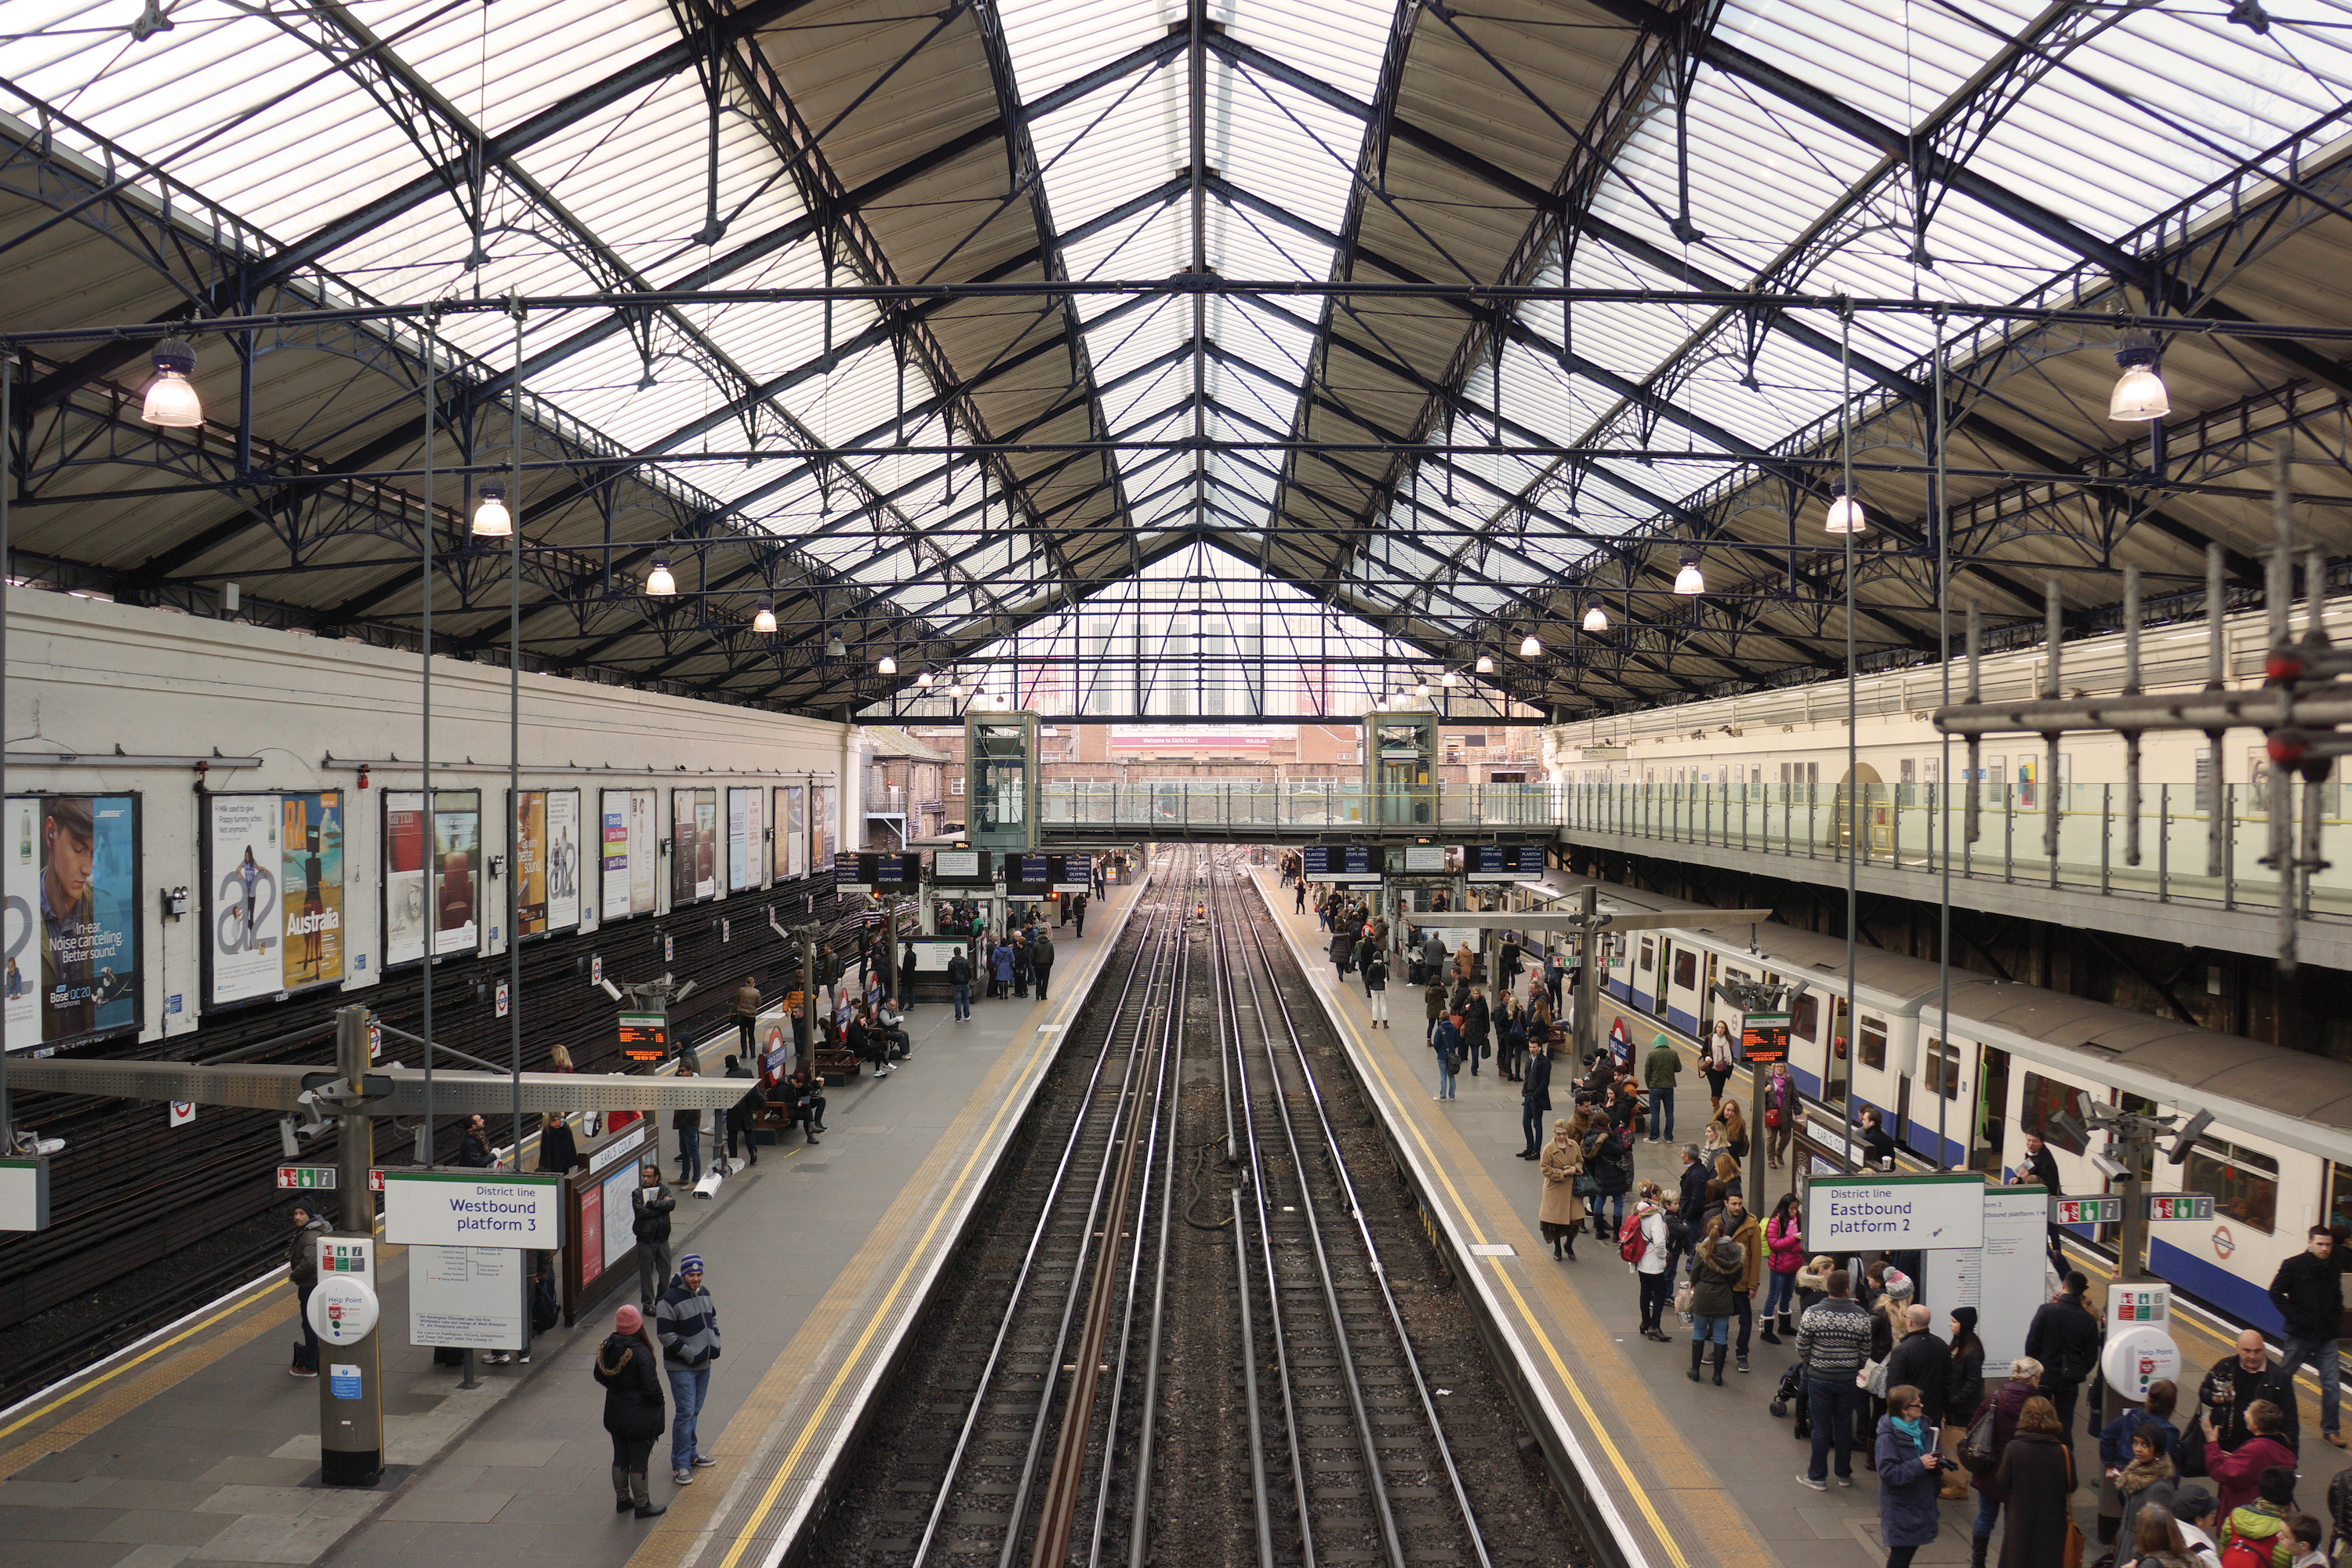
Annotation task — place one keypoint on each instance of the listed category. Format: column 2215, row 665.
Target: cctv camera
column 287, row 1143
column 2185, row 1140
column 2107, row 1165
column 609, row 989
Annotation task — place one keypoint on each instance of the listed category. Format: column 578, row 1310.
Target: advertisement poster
column 792, row 833
column 547, row 858
column 746, row 840
column 824, row 834
column 694, row 845
column 72, row 886
column 273, row 905
column 436, row 882
column 630, row 863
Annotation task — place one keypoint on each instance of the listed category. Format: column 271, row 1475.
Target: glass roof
column 2147, row 112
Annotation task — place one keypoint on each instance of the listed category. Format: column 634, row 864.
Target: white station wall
column 91, row 678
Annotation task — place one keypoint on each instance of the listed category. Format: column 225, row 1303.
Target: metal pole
column 514, row 747
column 7, row 484
column 424, row 1152
column 1853, row 744
column 1942, row 790
column 2133, row 1245
column 807, row 1041
column 1588, row 979
column 354, row 1136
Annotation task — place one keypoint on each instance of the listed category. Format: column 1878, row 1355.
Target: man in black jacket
column 1477, row 1028
column 1535, row 1095
column 2240, row 1378
column 1923, row 1361
column 650, row 1206
column 960, row 986
column 2064, row 1338
column 1041, row 960
column 2308, row 1291
column 1692, row 1196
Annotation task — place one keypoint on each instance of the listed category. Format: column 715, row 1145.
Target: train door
column 1684, row 997
column 1841, row 1055
column 1645, row 986
column 1662, row 977
column 1990, row 1126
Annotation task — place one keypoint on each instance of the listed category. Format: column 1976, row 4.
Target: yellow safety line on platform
column 1477, row 1236
column 130, row 1397
column 874, row 1324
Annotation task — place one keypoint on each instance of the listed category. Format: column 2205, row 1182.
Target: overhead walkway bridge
column 2199, row 879
column 1298, row 812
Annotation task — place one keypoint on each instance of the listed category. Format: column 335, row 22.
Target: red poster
column 592, row 1234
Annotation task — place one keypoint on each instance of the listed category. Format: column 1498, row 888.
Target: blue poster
column 72, row 965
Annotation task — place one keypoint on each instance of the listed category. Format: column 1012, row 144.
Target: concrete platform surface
column 200, row 1449
column 1703, row 1476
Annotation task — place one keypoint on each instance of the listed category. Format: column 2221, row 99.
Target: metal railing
column 1243, row 803
column 1902, row 827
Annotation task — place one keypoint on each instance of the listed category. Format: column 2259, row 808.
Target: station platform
column 1701, row 1477
column 196, row 1448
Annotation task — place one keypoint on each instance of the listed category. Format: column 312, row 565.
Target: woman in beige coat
column 1562, row 1214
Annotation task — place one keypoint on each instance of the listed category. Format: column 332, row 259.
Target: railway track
column 1181, row 1332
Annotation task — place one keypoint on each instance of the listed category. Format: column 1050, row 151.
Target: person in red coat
column 2235, row 1472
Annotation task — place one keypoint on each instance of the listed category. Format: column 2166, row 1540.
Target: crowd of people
column 1872, row 1376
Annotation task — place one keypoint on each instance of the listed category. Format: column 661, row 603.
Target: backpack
column 2241, row 1552
column 1630, row 1242
column 545, row 1312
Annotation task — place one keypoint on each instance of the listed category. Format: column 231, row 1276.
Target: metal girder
column 260, row 1086
column 745, row 19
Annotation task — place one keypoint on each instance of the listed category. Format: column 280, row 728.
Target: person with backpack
column 1715, row 1278
column 1445, row 1040
column 1561, row 1214
column 740, row 1114
column 1649, row 1245
column 634, row 1412
column 2064, row 1338
column 302, row 1273
column 1610, row 1162
column 2254, row 1533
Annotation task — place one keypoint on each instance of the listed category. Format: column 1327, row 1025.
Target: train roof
column 2281, row 1095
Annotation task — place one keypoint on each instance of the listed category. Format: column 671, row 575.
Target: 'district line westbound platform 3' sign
column 1854, row 1214
column 472, row 1208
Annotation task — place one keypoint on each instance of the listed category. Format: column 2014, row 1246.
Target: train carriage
column 2277, row 1159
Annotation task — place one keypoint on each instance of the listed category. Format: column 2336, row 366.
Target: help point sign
column 1871, row 1213
column 472, row 1208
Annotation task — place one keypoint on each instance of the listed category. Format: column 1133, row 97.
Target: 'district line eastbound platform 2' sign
column 472, row 1208
column 1867, row 1213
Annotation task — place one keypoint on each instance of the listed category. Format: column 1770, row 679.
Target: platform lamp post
column 500, row 516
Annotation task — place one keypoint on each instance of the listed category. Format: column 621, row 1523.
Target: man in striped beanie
column 687, row 1320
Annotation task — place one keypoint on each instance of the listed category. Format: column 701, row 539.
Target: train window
column 1874, row 1041
column 1685, row 970
column 2045, row 1098
column 2244, row 1183
column 1805, row 1018
column 1649, row 955
column 1944, row 1068
column 2339, row 1195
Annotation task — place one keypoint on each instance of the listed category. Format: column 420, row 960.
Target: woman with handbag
column 2037, row 1471
column 1991, row 1431
column 1963, row 1392
column 1562, row 1214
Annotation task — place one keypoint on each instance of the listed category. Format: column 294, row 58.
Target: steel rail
column 1371, row 1248
column 1367, row 1440
column 1153, row 938
column 1252, row 1174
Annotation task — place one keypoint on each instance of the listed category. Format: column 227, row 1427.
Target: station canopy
column 1407, row 333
